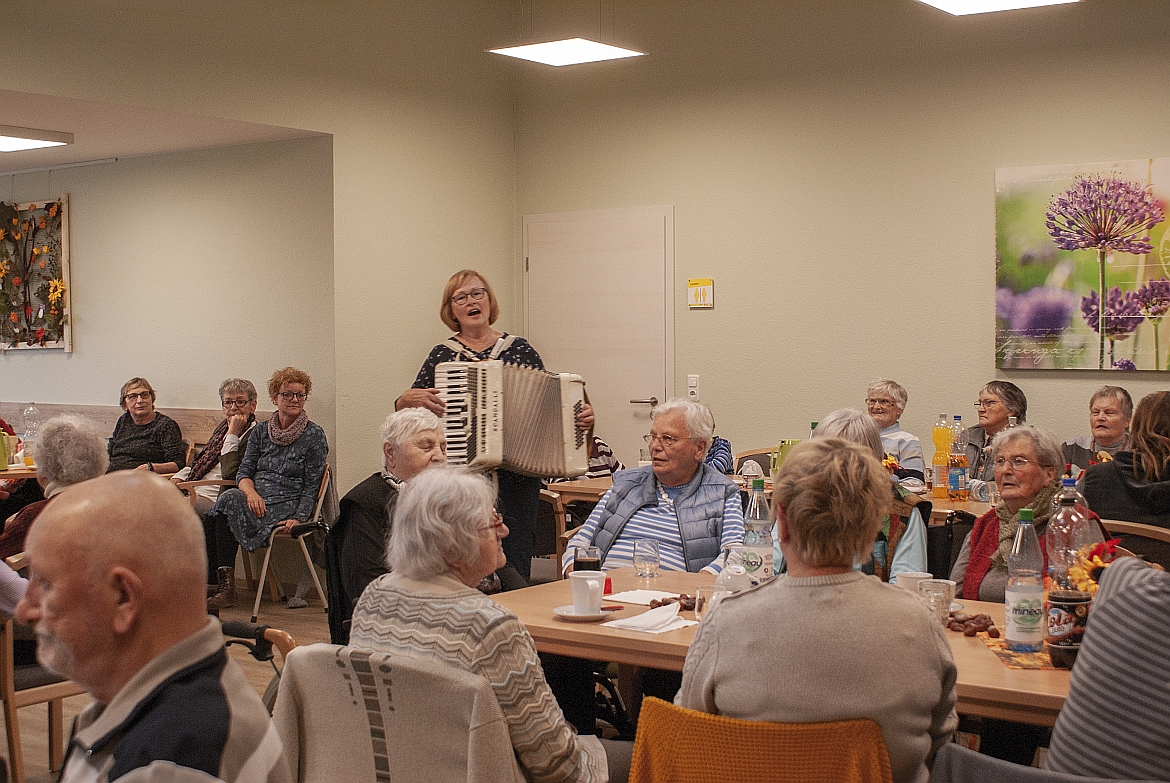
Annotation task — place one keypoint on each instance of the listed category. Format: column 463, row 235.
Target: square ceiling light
column 963, row 7
column 14, row 139
column 568, row 52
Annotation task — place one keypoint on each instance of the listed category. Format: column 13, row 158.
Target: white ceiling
column 103, row 130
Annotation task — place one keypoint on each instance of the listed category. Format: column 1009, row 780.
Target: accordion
column 521, row 419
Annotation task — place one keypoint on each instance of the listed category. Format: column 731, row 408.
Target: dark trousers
column 519, row 500
column 221, row 545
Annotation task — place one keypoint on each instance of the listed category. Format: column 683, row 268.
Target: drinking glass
column 587, row 558
column 938, row 596
column 706, row 597
column 645, row 557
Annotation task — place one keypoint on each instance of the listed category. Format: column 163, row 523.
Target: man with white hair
column 691, row 510
column 116, row 596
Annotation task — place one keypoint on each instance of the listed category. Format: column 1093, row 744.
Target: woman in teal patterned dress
column 277, row 482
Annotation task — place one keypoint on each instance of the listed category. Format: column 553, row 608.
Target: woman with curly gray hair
column 70, row 450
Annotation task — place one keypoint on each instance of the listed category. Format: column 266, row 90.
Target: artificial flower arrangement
column 890, row 463
column 1091, row 563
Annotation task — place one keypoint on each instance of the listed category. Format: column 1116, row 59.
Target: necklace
column 665, row 498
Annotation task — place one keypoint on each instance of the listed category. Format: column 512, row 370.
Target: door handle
column 651, row 401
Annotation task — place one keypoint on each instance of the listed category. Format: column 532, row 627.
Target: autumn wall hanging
column 34, row 275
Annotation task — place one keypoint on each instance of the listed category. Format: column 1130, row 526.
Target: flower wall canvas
column 34, row 275
column 1068, row 238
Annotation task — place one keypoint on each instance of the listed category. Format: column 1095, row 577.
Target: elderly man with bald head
column 116, row 596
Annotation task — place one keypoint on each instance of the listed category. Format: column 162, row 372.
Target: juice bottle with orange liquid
column 940, row 465
column 957, row 479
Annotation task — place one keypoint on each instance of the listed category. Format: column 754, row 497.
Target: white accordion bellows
column 522, row 419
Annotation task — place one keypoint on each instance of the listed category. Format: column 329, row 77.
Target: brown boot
column 226, row 597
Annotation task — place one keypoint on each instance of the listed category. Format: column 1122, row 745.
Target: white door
column 597, row 296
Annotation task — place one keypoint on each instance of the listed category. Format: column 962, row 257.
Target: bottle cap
column 1068, row 481
column 757, row 483
column 1026, row 515
column 814, row 425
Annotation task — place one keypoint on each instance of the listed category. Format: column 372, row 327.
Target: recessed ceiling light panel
column 963, row 7
column 568, row 52
column 14, row 139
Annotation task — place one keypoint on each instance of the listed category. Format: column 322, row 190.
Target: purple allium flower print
column 1154, row 298
column 1123, row 313
column 1106, row 213
column 1124, row 364
column 1041, row 312
column 1004, row 302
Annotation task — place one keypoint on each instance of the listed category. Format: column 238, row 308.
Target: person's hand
column 585, row 417
column 288, row 524
column 255, row 502
column 422, row 398
column 145, row 466
column 236, row 424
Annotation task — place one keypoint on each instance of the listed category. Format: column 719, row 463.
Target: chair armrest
column 189, row 485
column 17, row 561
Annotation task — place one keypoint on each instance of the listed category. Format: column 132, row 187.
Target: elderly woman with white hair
column 412, row 440
column 692, row 510
column 843, row 646
column 446, row 538
column 900, row 544
column 70, row 450
column 886, row 400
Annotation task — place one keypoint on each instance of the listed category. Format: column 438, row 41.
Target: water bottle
column 1024, row 597
column 757, row 535
column 1069, row 531
column 32, row 424
column 957, row 475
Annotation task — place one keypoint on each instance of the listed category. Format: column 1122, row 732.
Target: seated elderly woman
column 885, row 400
column 1027, row 464
column 678, row 492
column 412, row 440
column 901, row 542
column 998, row 401
column 143, row 438
column 446, row 539
column 828, row 501
column 1110, row 409
column 220, row 458
column 70, row 450
column 278, row 480
column 1135, row 485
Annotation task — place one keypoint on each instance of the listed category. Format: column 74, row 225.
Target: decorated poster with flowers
column 1068, row 238
column 34, row 275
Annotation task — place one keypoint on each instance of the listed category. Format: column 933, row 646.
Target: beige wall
column 188, row 269
column 832, row 168
column 831, row 164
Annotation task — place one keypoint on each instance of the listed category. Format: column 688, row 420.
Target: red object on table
column 608, row 586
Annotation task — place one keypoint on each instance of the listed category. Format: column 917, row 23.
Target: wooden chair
column 561, row 521
column 1120, row 527
column 278, row 532
column 678, row 745
column 28, row 684
column 763, row 458
column 1148, row 541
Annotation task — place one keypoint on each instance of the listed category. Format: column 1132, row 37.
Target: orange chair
column 677, row 745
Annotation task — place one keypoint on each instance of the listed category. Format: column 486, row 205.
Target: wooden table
column 940, row 507
column 985, row 687
column 19, row 473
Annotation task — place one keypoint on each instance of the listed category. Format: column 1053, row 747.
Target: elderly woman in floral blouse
column 277, row 481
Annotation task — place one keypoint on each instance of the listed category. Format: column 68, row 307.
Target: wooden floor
column 306, row 626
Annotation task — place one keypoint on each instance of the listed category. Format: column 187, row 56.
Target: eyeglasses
column 665, row 440
column 496, row 525
column 475, row 295
column 1019, row 463
column 986, row 404
column 142, row 395
column 290, row 396
column 236, row 403
column 880, row 403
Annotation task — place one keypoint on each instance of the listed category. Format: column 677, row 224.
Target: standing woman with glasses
column 469, row 308
column 997, row 401
column 277, row 481
column 143, row 438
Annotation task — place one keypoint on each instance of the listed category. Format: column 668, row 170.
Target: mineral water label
column 1024, row 612
column 957, row 479
column 757, row 561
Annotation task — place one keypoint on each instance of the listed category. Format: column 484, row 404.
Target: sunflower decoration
column 56, row 290
column 1091, row 563
column 1104, row 456
column 890, row 463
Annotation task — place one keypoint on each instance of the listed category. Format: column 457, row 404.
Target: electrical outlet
column 693, row 387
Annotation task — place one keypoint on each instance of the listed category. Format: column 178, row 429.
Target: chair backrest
column 956, row 764
column 344, row 714
column 1119, row 527
column 680, row 746
column 763, row 458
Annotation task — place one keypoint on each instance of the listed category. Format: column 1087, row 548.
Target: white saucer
column 956, row 606
column 567, row 613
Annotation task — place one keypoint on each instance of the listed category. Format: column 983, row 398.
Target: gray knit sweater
column 829, row 648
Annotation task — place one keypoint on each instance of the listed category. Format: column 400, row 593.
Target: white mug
column 587, row 588
column 910, row 579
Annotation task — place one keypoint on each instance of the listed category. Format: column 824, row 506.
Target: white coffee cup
column 910, row 579
column 587, row 588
